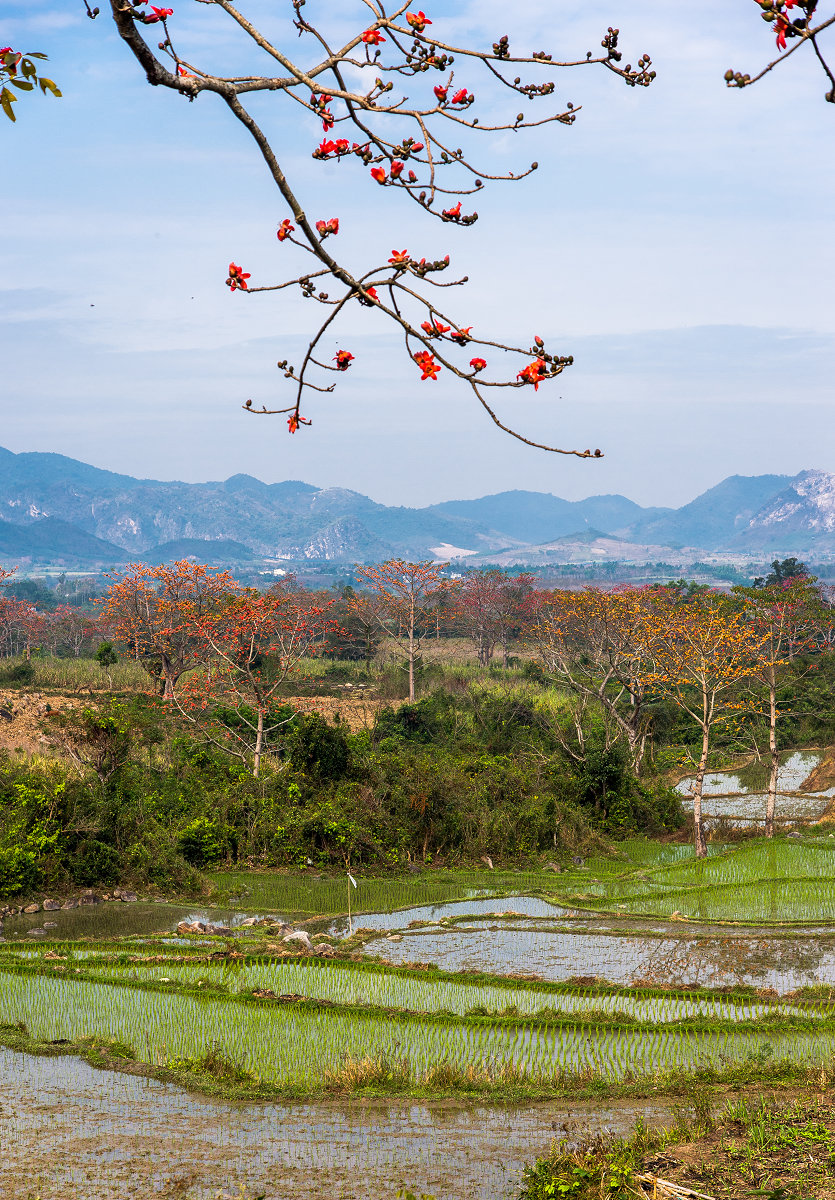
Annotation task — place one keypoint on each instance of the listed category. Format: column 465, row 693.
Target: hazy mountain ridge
column 55, row 508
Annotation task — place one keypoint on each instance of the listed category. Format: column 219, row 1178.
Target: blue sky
column 677, row 240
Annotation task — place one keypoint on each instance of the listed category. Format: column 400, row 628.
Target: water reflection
column 69, row 1130
column 783, row 964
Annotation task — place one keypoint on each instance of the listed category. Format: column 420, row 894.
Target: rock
column 577, row 860
column 51, row 905
column 250, row 921
column 32, row 908
column 129, row 897
column 91, row 899
column 555, row 867
column 395, row 937
column 324, row 951
column 301, row 935
column 191, row 927
column 794, row 834
column 36, row 932
column 485, row 858
column 68, row 904
column 50, row 924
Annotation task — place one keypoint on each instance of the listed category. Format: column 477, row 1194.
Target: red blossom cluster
column 418, row 21
column 325, row 228
column 372, row 37
column 427, row 364
column 328, row 148
column 478, row 364
column 343, row 359
column 157, row 14
column 237, row 280
column 534, row 372
column 284, row 230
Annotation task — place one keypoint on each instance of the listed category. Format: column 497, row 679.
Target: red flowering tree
column 256, row 642
column 156, row 613
column 404, row 599
column 794, row 25
column 493, row 608
column 353, row 94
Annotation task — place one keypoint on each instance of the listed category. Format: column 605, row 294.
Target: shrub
column 200, row 842
column 95, row 862
column 319, row 749
column 19, row 871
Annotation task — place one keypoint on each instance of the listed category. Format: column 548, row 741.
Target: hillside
column 55, row 509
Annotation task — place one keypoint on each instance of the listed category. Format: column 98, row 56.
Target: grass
column 76, row 675
column 752, row 1146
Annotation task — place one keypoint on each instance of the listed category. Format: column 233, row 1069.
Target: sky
column 677, row 240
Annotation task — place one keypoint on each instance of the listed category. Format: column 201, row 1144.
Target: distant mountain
column 54, row 509
column 712, row 519
column 799, row 518
column 55, row 541
column 527, row 517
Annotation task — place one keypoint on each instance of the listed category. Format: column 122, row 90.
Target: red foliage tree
column 255, row 644
column 156, row 614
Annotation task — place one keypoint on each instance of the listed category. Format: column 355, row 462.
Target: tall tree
column 598, row 645
column 406, row 593
column 786, row 615
column 157, row 614
column 703, row 648
column 256, row 642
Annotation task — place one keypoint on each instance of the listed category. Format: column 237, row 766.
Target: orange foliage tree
column 157, row 613
column 405, row 595
column 703, row 648
column 787, row 617
column 597, row 644
column 255, row 643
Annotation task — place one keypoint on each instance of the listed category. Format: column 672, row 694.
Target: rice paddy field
column 620, row 981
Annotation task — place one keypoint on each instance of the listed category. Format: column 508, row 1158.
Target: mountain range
column 57, row 510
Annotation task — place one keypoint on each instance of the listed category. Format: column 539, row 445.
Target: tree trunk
column 259, row 743
column 698, row 832
column 775, row 759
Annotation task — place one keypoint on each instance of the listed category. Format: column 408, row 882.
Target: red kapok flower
column 399, row 258
column 412, row 177
column 320, row 101
column 396, row 169
column 327, row 227
column 416, row 147
column 292, row 423
column 13, row 57
column 782, row 24
column 434, row 328
column 343, row 359
column 159, row 15
column 284, row 230
column 461, row 336
column 367, row 295
column 452, row 214
column 379, row 174
column 238, row 278
column 440, row 92
column 325, row 149
column 533, row 372
column 460, row 97
column 372, row 37
column 427, row 364
column 418, row 21
column 341, row 145
column 478, row 364
column 327, row 120
column 183, row 72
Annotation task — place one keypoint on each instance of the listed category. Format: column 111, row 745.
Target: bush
column 19, row 871
column 318, row 749
column 95, row 863
column 18, row 674
column 200, row 842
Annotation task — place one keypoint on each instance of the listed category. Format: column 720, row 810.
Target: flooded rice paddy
column 70, row 1132
column 760, row 915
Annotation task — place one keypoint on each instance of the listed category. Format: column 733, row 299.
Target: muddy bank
column 71, row 1131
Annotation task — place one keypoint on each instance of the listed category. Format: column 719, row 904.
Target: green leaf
column 28, row 69
column 22, row 85
column 7, row 98
column 48, row 86
column 32, row 54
